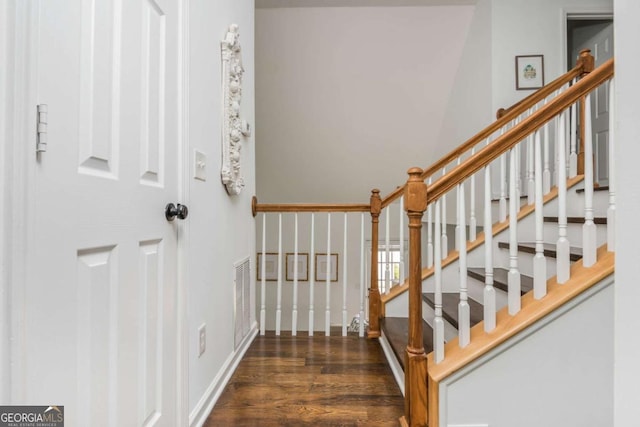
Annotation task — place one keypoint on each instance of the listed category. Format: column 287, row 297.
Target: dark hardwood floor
column 310, row 381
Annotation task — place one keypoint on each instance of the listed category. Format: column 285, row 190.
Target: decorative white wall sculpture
column 232, row 127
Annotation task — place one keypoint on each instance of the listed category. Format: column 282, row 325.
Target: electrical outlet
column 202, row 339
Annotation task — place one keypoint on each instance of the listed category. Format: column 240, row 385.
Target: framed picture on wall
column 321, row 262
column 529, row 72
column 303, row 267
column 270, row 266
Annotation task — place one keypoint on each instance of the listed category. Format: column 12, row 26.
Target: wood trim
column 497, row 228
column 532, row 310
column 307, row 207
column 433, row 400
column 516, row 134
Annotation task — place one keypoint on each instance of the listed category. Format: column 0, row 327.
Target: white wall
column 559, row 376
column 627, row 339
column 220, row 227
column 349, row 98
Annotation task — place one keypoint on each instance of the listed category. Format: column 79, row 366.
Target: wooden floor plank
column 310, row 381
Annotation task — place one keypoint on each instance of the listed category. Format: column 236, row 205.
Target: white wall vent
column 242, row 293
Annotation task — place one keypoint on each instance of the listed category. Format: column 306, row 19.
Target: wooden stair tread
column 450, row 307
column 601, row 188
column 396, row 329
column 549, row 249
column 576, row 220
column 500, row 279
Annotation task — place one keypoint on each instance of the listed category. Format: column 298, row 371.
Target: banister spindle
column 546, row 172
column 531, row 182
column 611, row 210
column 312, row 272
column 345, row 264
column 563, row 264
column 429, row 231
column 362, row 276
column 573, row 155
column 517, row 150
column 374, row 291
column 263, row 277
column 327, row 311
column 513, row 286
column 438, row 321
column 279, row 285
column 401, row 242
column 464, row 312
column 294, row 312
column 489, row 293
column 539, row 260
column 502, row 208
column 589, row 227
column 387, row 251
column 456, row 236
column 473, row 222
column 443, row 237
column 416, row 366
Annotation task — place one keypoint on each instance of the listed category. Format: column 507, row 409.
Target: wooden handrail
column 516, row 134
column 307, row 207
column 583, row 66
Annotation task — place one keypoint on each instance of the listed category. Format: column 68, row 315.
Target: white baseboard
column 398, row 373
column 203, row 408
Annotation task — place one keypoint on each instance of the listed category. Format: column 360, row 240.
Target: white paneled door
column 100, row 323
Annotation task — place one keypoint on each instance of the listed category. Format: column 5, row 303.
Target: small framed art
column 270, row 266
column 323, row 261
column 529, row 72
column 303, row 267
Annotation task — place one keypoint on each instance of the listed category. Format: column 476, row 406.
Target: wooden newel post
column 415, row 202
column 587, row 62
column 374, row 292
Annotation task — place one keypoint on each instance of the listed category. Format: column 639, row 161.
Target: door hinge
column 41, row 137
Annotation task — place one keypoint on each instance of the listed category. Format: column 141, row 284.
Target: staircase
column 541, row 263
column 395, row 327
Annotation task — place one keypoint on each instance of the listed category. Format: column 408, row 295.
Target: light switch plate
column 200, row 165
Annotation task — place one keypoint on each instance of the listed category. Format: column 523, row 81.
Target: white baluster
column 279, row 286
column 401, row 233
column 563, row 262
column 362, row 276
column 429, row 231
column 531, row 182
column 573, row 155
column 518, row 177
column 312, row 273
column 445, row 240
column 456, row 235
column 513, row 285
column 539, row 260
column 387, row 252
column 263, row 276
column 438, row 321
column 464, row 312
column 344, row 279
column 489, row 293
column 327, row 312
column 611, row 211
column 546, row 172
column 473, row 222
column 502, row 211
column 294, row 313
column 589, row 228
